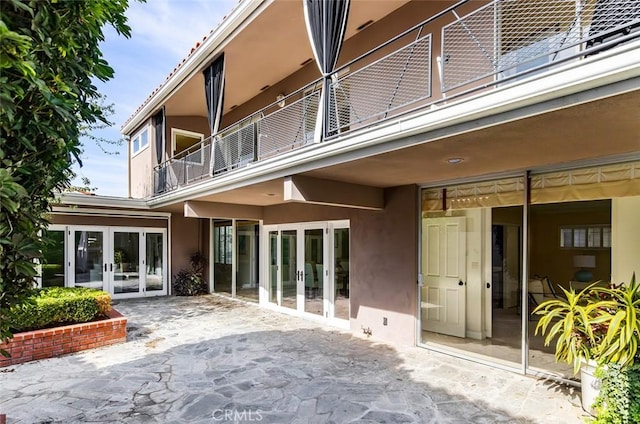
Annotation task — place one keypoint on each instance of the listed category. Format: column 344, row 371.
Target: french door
column 123, row 261
column 301, row 272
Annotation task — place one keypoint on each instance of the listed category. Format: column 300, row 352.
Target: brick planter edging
column 51, row 342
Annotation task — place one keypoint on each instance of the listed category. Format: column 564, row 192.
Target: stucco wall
column 188, row 236
column 198, row 124
column 141, row 165
column 383, row 262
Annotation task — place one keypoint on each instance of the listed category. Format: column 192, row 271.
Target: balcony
column 495, row 44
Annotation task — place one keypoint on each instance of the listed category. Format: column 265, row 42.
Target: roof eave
column 208, row 47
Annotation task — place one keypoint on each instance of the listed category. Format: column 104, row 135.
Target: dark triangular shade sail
column 158, row 123
column 326, row 25
column 214, row 92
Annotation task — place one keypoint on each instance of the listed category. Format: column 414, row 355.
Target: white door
column 137, row 262
column 88, row 257
column 312, row 262
column 444, row 276
column 297, row 273
column 126, row 262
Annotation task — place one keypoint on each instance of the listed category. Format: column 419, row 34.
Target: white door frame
column 70, row 242
column 328, row 269
column 108, row 266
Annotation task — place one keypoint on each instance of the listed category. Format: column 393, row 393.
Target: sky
column 162, row 34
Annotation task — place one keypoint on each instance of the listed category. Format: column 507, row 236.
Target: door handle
column 461, row 283
column 111, row 267
column 105, row 267
column 488, row 285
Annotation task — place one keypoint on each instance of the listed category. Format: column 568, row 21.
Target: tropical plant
column 191, row 282
column 49, row 59
column 599, row 323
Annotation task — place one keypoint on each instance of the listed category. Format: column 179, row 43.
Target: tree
column 49, row 53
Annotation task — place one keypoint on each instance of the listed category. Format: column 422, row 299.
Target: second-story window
column 187, row 144
column 140, row 141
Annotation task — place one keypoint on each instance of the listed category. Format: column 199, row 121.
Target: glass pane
column 566, row 237
column 273, row 267
column 552, row 269
column 223, row 255
column 579, row 237
column 606, row 237
column 126, row 262
column 289, row 269
column 594, row 237
column 154, row 256
column 314, row 271
column 53, row 269
column 471, row 295
column 247, row 272
column 144, row 138
column 341, row 274
column 88, row 253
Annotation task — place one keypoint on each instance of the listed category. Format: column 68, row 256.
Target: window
column 140, row 141
column 592, row 236
column 182, row 140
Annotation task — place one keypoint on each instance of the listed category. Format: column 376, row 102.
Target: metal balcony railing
column 378, row 89
column 282, row 126
column 494, row 44
column 509, row 37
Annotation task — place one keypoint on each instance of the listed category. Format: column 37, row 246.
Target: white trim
column 586, row 80
column 210, row 47
column 179, row 131
column 61, row 210
column 328, row 227
column 77, row 199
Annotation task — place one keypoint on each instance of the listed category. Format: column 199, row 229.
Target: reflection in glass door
column 154, row 262
column 313, row 274
column 88, row 258
column 223, row 256
column 273, row 267
column 53, row 263
column 289, row 269
column 126, row 262
column 341, row 272
column 304, row 273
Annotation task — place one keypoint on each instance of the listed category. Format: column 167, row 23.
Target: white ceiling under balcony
column 270, row 48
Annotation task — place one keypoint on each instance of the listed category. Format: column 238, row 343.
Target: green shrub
column 54, row 306
column 191, row 282
column 188, row 283
column 619, row 398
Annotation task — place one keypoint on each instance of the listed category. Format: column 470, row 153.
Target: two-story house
column 425, row 171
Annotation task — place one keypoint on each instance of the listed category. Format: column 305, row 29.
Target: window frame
column 603, row 241
column 138, row 135
column 179, row 131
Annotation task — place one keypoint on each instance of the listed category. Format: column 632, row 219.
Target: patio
column 211, row 359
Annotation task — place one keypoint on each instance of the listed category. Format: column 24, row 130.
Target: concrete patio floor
column 210, row 359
